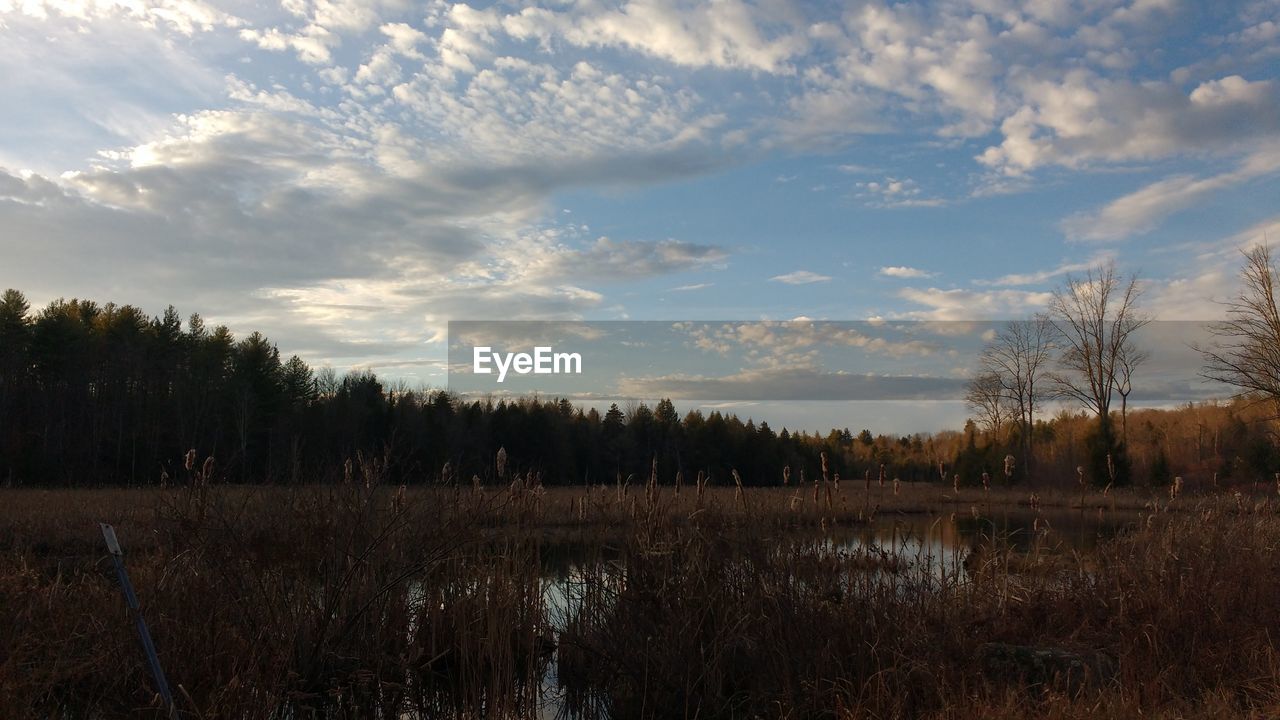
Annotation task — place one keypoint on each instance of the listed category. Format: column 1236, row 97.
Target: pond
column 936, row 543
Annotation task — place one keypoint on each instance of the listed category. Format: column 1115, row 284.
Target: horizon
column 349, row 178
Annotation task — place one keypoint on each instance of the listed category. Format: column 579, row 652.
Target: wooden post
column 131, row 599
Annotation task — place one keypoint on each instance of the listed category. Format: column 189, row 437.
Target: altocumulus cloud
column 349, row 175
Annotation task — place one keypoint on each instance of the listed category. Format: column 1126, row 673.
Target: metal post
column 131, row 599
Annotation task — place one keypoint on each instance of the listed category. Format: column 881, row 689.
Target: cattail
column 823, row 456
column 867, row 476
column 207, row 470
column 1008, row 467
column 881, row 474
column 1176, row 488
column 501, row 461
column 679, row 481
column 836, row 480
column 189, row 461
column 346, row 471
column 955, row 482
column 1080, row 474
column 475, row 483
column 986, row 480
column 651, row 492
column 164, row 478
column 786, row 476
column 896, row 482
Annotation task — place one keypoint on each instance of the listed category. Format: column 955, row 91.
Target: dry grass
column 359, row 600
column 342, row 600
column 1176, row 619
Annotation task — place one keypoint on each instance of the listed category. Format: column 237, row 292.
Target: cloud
column 1040, row 276
column 690, row 288
column 799, row 342
column 730, row 34
column 903, row 271
column 271, row 220
column 800, row 277
column 794, row 384
column 944, row 62
column 313, row 44
column 1143, row 210
column 1086, row 118
column 892, row 192
column 349, row 210
column 960, row 304
column 1213, row 275
column 64, row 93
column 522, row 112
column 185, row 17
column 351, row 174
column 613, row 259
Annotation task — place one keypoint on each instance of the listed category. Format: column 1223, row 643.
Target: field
column 362, row 600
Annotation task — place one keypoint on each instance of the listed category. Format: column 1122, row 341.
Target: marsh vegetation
column 365, row 600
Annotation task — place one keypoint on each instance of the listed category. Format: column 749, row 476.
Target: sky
column 348, row 177
column 889, row 376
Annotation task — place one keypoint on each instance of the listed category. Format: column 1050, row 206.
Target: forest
column 104, row 395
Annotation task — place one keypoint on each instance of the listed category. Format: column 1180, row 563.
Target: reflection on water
column 935, row 544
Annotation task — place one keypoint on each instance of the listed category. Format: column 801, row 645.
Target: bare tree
column 1095, row 319
column 1246, row 351
column 985, row 396
column 1130, row 358
column 1018, row 357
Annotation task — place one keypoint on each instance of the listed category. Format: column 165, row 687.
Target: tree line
column 94, row 394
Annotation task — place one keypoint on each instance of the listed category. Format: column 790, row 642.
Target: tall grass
column 365, row 601
column 1178, row 615
column 345, row 601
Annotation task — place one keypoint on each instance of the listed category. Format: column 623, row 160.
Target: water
column 935, row 543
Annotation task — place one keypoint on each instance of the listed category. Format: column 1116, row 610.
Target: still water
column 935, row 542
